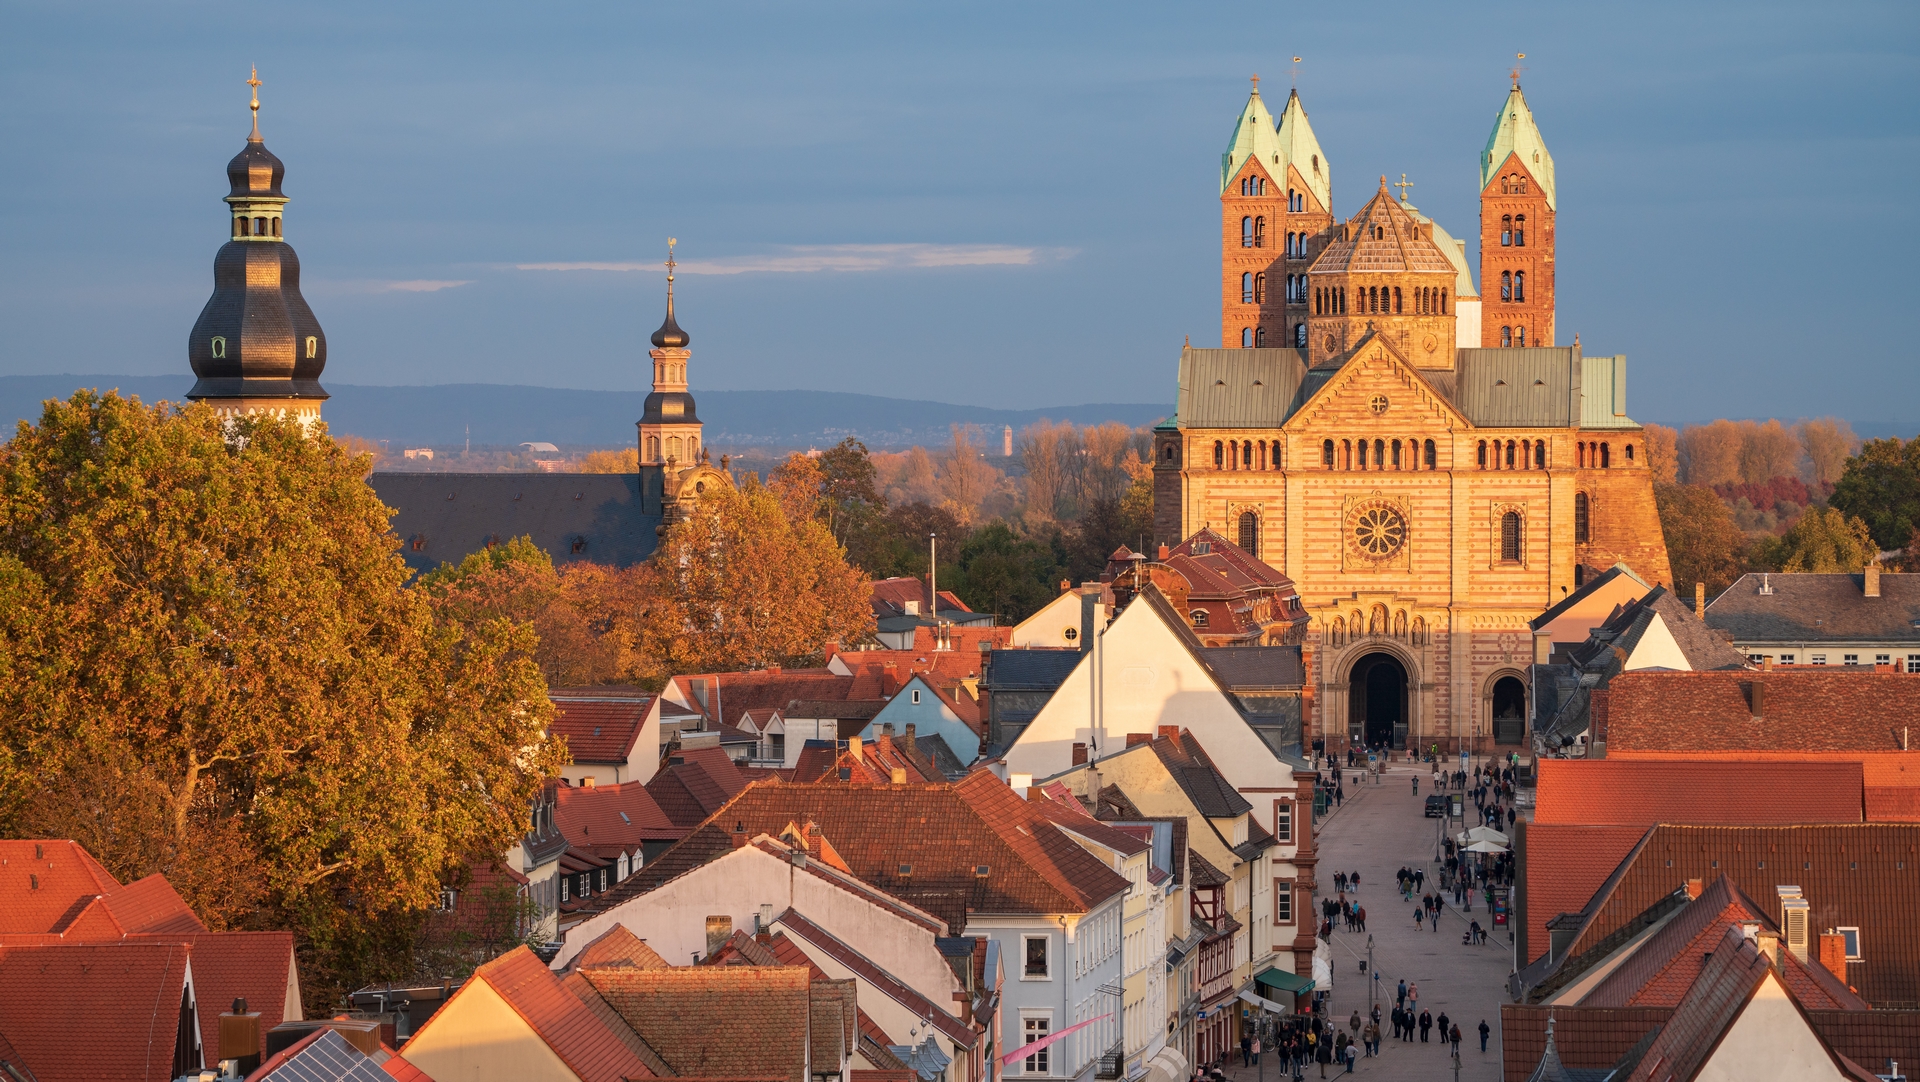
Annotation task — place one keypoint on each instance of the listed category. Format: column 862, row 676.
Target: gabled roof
column 812, row 938
column 320, row 1056
column 891, row 595
column 1187, row 762
column 1809, row 609
column 1593, row 585
column 695, row 784
column 1641, row 792
column 1057, row 805
column 256, row 966
column 679, row 1011
column 1531, row 387
column 1038, row 669
column 1802, row 709
column 41, row 882
column 611, row 817
column 1565, row 865
column 617, row 947
column 600, row 724
column 1239, row 388
column 731, row 694
column 1621, row 635
column 1514, row 132
column 125, row 998
column 568, row 1026
column 1254, row 137
column 943, row 832
column 1238, row 569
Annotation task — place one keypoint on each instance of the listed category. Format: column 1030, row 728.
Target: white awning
column 1263, row 1003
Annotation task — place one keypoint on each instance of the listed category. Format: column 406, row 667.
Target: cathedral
column 1424, row 461
column 257, row 347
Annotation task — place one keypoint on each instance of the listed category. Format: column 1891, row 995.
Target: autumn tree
column 1823, row 542
column 965, row 476
column 1663, row 454
column 624, row 460
column 741, row 584
column 1826, row 442
column 1703, row 543
column 580, row 614
column 1881, row 485
column 233, row 685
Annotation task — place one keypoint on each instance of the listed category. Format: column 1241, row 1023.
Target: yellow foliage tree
column 625, row 460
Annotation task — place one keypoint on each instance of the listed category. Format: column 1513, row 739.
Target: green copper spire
column 1298, row 146
column 1514, row 132
column 1253, row 136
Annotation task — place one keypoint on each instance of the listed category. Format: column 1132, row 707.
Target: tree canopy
column 1703, row 543
column 1881, row 485
column 1824, row 542
column 215, row 670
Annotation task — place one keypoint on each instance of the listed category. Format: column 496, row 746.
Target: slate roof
column 1804, row 709
column 1247, row 668
column 1030, row 669
column 1401, row 247
column 1704, row 650
column 1851, row 875
column 1056, row 804
column 1239, row 388
column 444, row 517
column 568, row 1026
column 1809, row 609
column 600, row 724
column 1187, row 762
column 1642, row 792
column 943, row 831
column 676, row 1011
column 124, row 996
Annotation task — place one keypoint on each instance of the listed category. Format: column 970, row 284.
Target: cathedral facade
column 1424, row 462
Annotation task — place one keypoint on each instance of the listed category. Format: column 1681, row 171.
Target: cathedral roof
column 1298, row 146
column 1514, row 132
column 1456, row 251
column 1277, row 144
column 1383, row 239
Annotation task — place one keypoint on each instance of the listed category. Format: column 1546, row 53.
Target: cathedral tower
column 1517, row 203
column 1384, row 270
column 256, row 345
column 1276, row 200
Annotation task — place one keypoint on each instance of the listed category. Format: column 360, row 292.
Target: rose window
column 1380, row 531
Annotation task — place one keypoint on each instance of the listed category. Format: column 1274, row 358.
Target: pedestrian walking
column 1354, row 1023
column 1485, row 1030
column 1400, row 997
column 1443, row 1024
column 1418, row 915
column 1413, row 996
column 1246, row 1051
column 1396, row 1023
column 1453, row 1038
column 1353, row 882
column 1360, row 912
column 1416, row 784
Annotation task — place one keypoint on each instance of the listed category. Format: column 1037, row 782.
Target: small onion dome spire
column 670, row 336
column 255, row 171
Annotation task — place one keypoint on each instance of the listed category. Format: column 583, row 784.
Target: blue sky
column 1010, row 205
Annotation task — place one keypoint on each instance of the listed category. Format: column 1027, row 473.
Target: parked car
column 1436, row 806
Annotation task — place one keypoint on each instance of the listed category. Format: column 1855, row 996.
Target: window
column 1300, row 335
column 1034, row 1029
column 1276, row 455
column 1606, row 450
column 1249, row 538
column 1443, row 302
column 240, row 226
column 1818, row 659
column 1326, row 453
column 1852, row 936
column 1483, row 454
column 1506, row 231
column 276, row 227
column 1283, row 820
column 1246, row 232
column 1540, row 454
column 259, row 227
column 1259, row 232
column 219, row 347
column 1363, row 455
column 1246, row 338
column 1629, row 452
column 1509, row 454
column 1849, row 659
column 1036, row 967
column 1260, row 337
column 1396, row 300
column 916, row 697
column 1396, row 454
column 1506, row 285
column 449, row 898
column 1506, row 336
column 1580, row 520
column 1883, row 659
column 1510, row 537
column 1430, row 455
column 1246, row 288
column 1520, row 231
column 1519, row 285
column 1283, row 901
column 313, row 347
column 1219, row 455
column 1913, row 663
column 1259, row 289
column 1786, row 659
column 1199, row 617
column 1521, row 334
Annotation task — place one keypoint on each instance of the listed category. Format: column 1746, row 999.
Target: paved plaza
column 1379, row 829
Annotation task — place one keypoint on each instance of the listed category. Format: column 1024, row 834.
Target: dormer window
column 1199, row 617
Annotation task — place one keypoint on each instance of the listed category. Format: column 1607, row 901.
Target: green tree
column 1002, row 572
column 247, row 697
column 1824, row 542
column 1881, row 485
column 1703, row 543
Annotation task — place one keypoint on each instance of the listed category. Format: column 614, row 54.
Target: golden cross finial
column 1296, row 73
column 671, row 241
column 253, row 80
column 1517, row 69
column 1403, row 185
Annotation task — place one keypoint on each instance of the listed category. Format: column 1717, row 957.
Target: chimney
column 1833, row 954
column 1700, row 600
column 773, row 670
column 241, row 1039
column 898, row 775
column 1694, row 886
column 1020, row 783
column 1768, row 943
column 1164, row 553
column 1169, row 732
column 1872, row 577
column 1065, row 586
column 1079, row 753
column 588, row 782
column 831, row 648
column 719, row 930
column 1766, row 663
column 907, row 737
column 1139, row 738
column 853, row 743
column 1794, row 911
column 1757, row 699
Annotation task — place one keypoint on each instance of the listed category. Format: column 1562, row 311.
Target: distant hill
column 505, row 416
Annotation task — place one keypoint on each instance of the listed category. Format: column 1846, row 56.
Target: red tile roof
column 944, row 832
column 1805, row 709
column 599, row 729
column 567, row 1025
column 611, row 817
column 1642, row 792
column 232, row 965
column 1564, row 865
column 397, row 1066
column 41, row 880
column 1892, row 777
column 1056, row 804
column 151, row 905
column 1587, row 1038
column 678, row 1012
column 695, row 785
column 618, row 947
column 890, row 597
column 730, row 695
column 1859, row 875
column 812, row 938
column 79, row 1013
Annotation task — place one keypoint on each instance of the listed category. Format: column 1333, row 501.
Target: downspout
column 1064, row 1014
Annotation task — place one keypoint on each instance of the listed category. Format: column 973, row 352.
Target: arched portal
column 1509, row 710
column 1377, row 701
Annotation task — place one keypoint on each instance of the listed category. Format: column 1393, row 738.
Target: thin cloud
column 387, row 285
column 813, row 258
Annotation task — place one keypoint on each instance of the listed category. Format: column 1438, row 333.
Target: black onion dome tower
column 256, row 345
column 669, row 427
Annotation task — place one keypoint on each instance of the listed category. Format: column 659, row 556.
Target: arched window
column 1519, row 285
column 1580, row 518
column 1380, row 454
column 673, row 448
column 1520, row 231
column 1431, row 458
column 1396, row 454
column 1540, row 454
column 1510, row 454
column 275, row 225
column 1510, row 537
column 1521, row 337
column 1346, row 454
column 1363, row 455
column 1246, row 288
column 1506, row 285
column 1606, row 457
column 1260, row 336
column 1260, row 232
column 1326, row 453
column 1520, row 183
column 1483, row 454
column 1506, row 336
column 1506, row 230
column 1249, row 538
column 245, row 226
column 1246, row 338
column 1276, row 455
column 313, row 351
column 259, row 227
column 1219, row 455
column 653, row 449
column 1199, row 617
column 1582, row 453
column 1233, row 455
column 1263, row 454
column 1246, row 232
column 1300, row 335
column 1396, row 300
column 1343, row 300
column 1246, row 455
column 218, row 347
column 1443, row 302
column 1629, row 447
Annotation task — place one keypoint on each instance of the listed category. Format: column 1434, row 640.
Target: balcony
column 1113, row 1062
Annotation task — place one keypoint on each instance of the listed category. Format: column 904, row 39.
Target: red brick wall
column 1534, row 259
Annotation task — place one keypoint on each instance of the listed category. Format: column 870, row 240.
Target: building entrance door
column 1377, row 701
column 1509, row 710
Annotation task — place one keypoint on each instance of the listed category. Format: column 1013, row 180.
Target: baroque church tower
column 674, row 465
column 256, row 345
column 1517, row 203
column 1276, row 208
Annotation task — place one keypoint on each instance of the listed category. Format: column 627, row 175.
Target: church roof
column 1456, row 251
column 1238, row 388
column 1383, row 239
column 1277, row 144
column 1514, row 132
column 1299, row 147
column 450, row 515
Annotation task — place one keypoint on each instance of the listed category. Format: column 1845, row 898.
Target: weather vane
column 1517, row 69
column 671, row 241
column 1296, row 73
column 253, row 80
